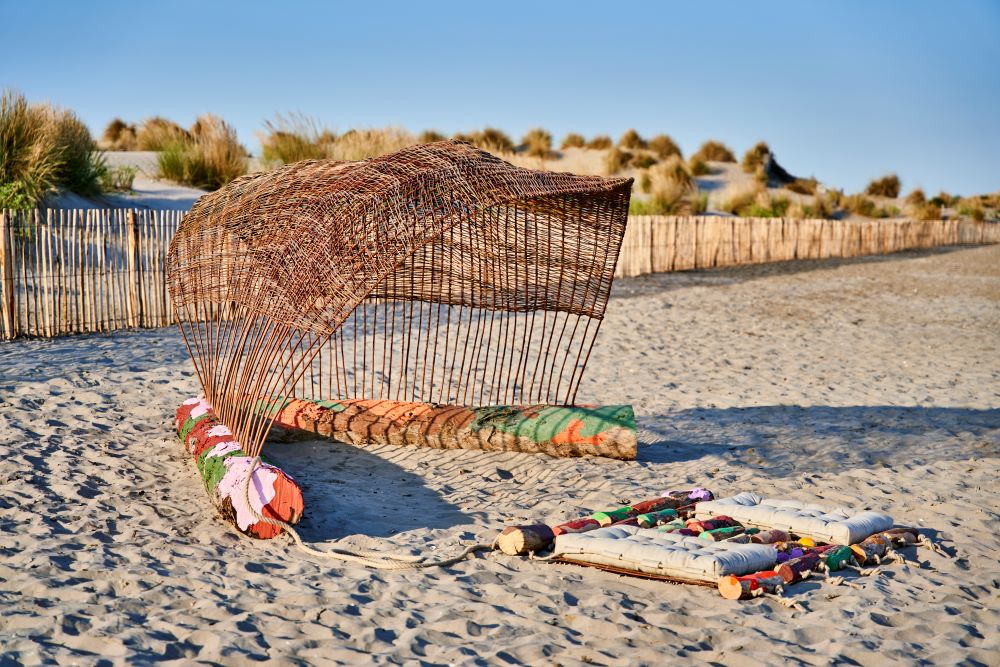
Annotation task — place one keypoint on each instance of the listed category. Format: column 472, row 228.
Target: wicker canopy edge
column 446, row 222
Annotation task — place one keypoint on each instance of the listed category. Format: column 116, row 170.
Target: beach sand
column 872, row 382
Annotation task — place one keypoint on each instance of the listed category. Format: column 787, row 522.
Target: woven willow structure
column 439, row 274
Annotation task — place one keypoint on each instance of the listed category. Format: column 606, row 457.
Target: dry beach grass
column 871, row 382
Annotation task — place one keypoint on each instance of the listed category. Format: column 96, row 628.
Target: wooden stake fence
column 656, row 243
column 83, row 271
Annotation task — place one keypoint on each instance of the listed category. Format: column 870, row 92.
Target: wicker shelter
column 439, row 274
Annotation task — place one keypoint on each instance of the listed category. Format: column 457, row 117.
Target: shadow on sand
column 784, row 440
column 349, row 490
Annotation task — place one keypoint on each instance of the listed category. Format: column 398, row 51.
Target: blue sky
column 845, row 91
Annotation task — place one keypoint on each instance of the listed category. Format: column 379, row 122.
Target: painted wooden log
column 750, row 585
column 772, row 536
column 719, row 534
column 547, row 429
column 578, row 526
column 901, row 536
column 651, row 519
column 518, row 540
column 837, row 558
column 674, row 526
column 871, row 549
column 711, row 524
column 797, row 569
column 224, row 467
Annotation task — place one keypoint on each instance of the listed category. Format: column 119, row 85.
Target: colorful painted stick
column 673, row 526
column 651, row 519
column 772, row 536
column 578, row 526
column 518, row 540
column 712, row 524
column 742, row 538
column 612, row 516
column 719, row 534
column 750, row 585
column 556, row 430
column 224, row 467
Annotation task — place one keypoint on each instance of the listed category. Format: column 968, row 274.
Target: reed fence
column 81, row 271
column 654, row 244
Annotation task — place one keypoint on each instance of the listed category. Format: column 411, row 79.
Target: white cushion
column 837, row 525
column 666, row 554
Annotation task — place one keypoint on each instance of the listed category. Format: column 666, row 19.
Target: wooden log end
column 519, row 540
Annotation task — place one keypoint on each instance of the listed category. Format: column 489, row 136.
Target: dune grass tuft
column 430, row 137
column 803, row 186
column 292, row 138
column 119, row 136
column 631, row 140
column 573, row 140
column 755, row 158
column 42, row 148
column 643, row 161
column 207, row 157
column 714, row 151
column 156, row 134
column 671, row 190
column 887, row 186
column 600, row 142
column 537, row 142
column 699, row 167
column 615, row 160
column 663, row 146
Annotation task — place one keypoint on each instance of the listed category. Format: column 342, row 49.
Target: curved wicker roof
column 304, row 244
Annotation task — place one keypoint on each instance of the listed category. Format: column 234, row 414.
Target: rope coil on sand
column 379, row 560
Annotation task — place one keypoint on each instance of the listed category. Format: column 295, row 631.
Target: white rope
column 924, row 541
column 379, row 560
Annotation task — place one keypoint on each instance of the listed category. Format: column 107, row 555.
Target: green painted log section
column 547, row 429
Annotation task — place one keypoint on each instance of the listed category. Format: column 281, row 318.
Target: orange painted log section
column 546, row 429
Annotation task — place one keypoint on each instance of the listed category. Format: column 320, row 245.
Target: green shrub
column 741, row 196
column 664, row 146
column 631, row 140
column 119, row 136
column 887, row 186
column 860, row 205
column 699, row 167
column 755, row 158
column 118, row 178
column 714, row 151
column 615, row 160
column 81, row 167
column 156, row 133
column 573, row 140
column 971, row 209
column 430, row 137
column 600, row 142
column 15, row 196
column 41, row 148
column 699, row 202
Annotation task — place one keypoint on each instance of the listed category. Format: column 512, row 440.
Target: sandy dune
column 871, row 382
